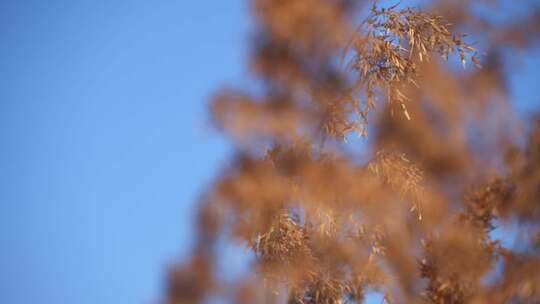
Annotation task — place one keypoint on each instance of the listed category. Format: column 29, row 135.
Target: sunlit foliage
column 408, row 209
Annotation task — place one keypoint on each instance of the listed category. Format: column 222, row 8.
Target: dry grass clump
column 401, row 175
column 387, row 51
column 283, row 245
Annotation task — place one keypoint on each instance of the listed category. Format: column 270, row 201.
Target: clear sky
column 104, row 146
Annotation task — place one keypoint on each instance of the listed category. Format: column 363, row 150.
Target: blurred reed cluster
column 377, row 150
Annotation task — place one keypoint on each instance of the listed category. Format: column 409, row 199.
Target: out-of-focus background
column 105, row 141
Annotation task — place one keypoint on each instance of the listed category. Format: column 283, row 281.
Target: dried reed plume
column 408, row 211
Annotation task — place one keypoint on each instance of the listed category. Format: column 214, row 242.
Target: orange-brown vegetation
column 409, row 208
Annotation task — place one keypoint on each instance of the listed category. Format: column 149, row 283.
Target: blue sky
column 105, row 147
column 104, row 144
